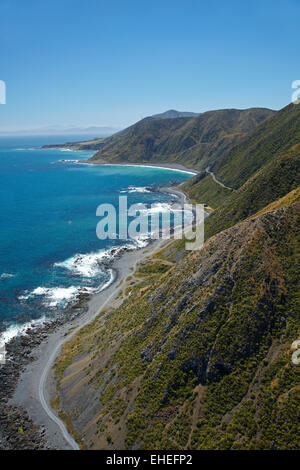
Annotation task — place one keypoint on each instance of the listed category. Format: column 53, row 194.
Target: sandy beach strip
column 162, row 166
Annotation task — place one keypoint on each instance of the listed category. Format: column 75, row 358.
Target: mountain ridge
column 198, row 354
column 195, row 367
column 190, row 141
column 173, row 114
column 195, row 141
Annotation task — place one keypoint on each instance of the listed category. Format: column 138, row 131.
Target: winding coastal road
column 36, row 386
column 216, row 180
column 44, row 404
column 115, row 291
column 73, row 444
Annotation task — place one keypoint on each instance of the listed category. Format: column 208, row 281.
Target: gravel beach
column 30, row 383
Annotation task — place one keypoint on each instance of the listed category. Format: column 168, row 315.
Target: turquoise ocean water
column 49, row 251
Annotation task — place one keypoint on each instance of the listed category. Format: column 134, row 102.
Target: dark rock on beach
column 17, row 430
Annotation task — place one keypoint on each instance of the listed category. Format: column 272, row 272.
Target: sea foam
column 132, row 189
column 17, row 330
column 84, row 265
column 6, row 275
column 57, row 296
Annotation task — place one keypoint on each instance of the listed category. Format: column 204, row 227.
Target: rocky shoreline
column 17, row 429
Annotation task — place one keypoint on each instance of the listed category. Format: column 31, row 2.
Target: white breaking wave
column 165, row 207
column 6, row 275
column 132, row 189
column 86, row 265
column 109, row 282
column 61, row 297
column 68, row 161
column 57, row 296
column 142, row 241
column 89, row 265
column 161, row 207
column 17, row 330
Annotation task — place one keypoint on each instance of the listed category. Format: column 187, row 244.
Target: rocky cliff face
column 204, row 365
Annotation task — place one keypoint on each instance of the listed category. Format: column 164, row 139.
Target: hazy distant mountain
column 98, row 131
column 172, row 114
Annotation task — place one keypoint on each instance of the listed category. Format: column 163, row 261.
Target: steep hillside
column 275, row 137
column 205, row 366
column 271, row 182
column 191, row 141
column 203, row 189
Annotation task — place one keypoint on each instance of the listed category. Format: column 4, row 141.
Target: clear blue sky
column 94, row 62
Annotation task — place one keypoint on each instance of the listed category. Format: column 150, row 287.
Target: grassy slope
column 194, row 142
column 207, row 365
column 270, row 183
column 275, row 137
column 272, row 138
column 202, row 189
